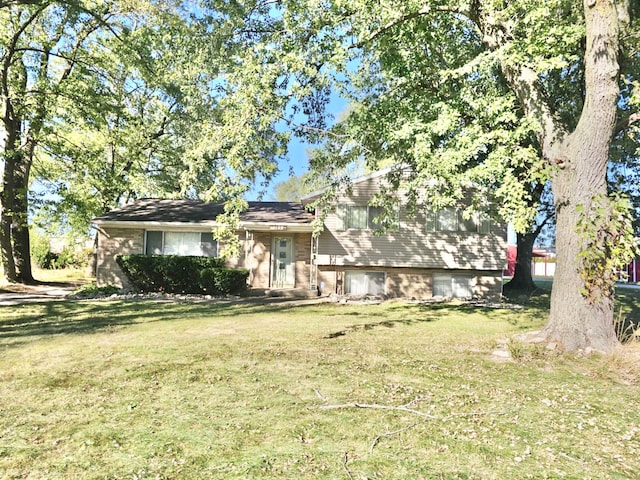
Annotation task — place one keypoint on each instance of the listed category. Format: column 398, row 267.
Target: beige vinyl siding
column 411, row 245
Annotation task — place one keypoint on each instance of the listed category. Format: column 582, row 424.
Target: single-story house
column 435, row 253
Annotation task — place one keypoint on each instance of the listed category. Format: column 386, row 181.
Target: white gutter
column 207, row 225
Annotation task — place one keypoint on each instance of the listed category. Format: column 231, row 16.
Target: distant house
column 542, row 261
column 434, row 254
column 632, row 271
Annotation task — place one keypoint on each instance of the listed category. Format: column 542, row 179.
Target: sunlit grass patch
column 206, row 390
column 62, row 275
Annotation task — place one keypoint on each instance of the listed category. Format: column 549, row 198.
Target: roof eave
column 153, row 224
column 255, row 226
column 277, row 227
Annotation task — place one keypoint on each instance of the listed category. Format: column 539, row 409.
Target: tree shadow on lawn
column 423, row 314
column 432, row 312
column 80, row 318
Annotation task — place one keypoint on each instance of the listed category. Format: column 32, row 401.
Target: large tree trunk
column 577, row 321
column 15, row 247
column 580, row 319
column 522, row 281
column 6, row 220
column 7, row 197
column 20, row 231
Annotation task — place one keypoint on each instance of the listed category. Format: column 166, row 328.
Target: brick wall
column 255, row 256
column 302, row 255
column 410, row 282
column 111, row 243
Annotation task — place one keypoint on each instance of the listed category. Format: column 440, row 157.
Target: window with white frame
column 452, row 220
column 359, row 282
column 200, row 244
column 360, row 217
column 452, row 286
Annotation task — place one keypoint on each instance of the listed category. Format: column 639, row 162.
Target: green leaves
column 164, row 99
column 607, row 244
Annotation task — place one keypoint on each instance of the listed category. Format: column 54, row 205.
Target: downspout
column 271, row 247
column 313, row 274
column 247, row 247
column 311, row 266
column 96, row 249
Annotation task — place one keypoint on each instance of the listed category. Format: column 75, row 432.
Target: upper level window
column 358, row 217
column 451, row 220
column 201, row 244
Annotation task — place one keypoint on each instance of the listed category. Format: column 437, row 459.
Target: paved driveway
column 16, row 295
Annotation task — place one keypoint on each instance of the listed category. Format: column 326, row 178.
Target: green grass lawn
column 143, row 390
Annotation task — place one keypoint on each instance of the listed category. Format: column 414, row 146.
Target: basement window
column 365, row 283
column 452, row 286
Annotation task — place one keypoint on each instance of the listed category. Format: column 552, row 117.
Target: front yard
column 143, row 390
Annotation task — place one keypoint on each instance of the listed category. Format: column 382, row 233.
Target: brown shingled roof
column 197, row 211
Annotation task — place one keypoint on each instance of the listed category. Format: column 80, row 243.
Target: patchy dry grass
column 142, row 390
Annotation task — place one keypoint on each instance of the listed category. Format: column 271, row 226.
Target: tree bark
column 20, row 230
column 6, row 221
column 577, row 320
column 522, row 281
column 7, row 196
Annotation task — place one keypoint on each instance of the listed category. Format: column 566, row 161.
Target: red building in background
column 544, row 268
column 512, row 251
column 633, row 271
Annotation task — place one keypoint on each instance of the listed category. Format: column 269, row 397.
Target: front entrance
column 283, row 273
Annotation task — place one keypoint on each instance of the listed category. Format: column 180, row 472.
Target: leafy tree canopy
column 485, row 96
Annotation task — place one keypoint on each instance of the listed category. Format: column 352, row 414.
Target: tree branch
column 53, row 54
column 627, row 122
column 390, row 434
column 425, row 10
column 528, row 89
column 345, row 461
column 11, row 49
column 13, row 3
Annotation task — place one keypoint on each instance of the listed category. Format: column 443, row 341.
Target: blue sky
column 297, row 158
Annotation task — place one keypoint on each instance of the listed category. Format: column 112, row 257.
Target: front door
column 283, row 265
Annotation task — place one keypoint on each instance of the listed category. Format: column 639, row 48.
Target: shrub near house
column 182, row 274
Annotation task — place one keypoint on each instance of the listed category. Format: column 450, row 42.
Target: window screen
column 208, row 245
column 442, row 286
column 451, row 220
column 357, row 217
column 154, row 243
column 181, row 243
column 467, row 224
column 453, row 286
column 447, row 220
column 365, row 283
column 374, row 212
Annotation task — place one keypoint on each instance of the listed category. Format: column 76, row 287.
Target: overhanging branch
column 425, row 10
column 626, row 122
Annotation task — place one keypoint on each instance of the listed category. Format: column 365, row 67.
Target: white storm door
column 283, row 264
